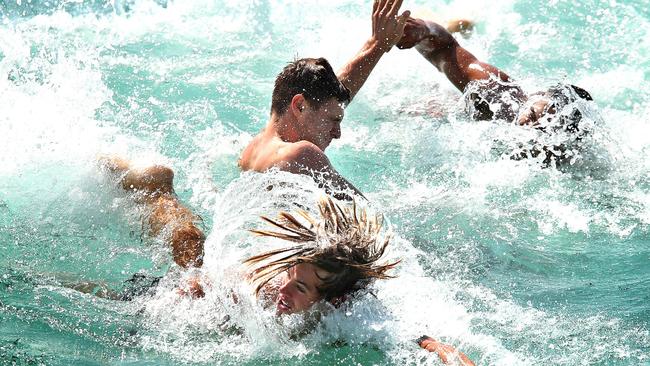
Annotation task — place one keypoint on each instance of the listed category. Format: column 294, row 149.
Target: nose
column 285, row 289
column 336, row 131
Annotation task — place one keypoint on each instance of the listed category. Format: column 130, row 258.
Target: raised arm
column 387, row 29
column 440, row 48
column 447, row 353
column 308, row 159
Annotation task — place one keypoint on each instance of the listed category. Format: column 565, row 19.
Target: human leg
column 151, row 181
column 154, row 188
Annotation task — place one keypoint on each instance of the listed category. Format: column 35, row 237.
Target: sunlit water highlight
column 511, row 262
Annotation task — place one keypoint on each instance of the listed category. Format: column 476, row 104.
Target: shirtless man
column 308, row 105
column 490, row 92
column 293, row 278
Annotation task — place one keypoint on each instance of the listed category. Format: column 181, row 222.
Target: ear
column 298, row 104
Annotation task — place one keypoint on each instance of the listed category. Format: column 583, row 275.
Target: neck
column 284, row 127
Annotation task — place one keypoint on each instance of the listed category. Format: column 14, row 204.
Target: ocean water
column 511, row 262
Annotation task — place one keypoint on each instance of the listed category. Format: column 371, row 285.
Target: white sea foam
column 451, row 171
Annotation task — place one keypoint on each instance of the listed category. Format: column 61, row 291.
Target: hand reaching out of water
column 415, row 30
column 387, row 26
column 387, row 30
column 418, row 30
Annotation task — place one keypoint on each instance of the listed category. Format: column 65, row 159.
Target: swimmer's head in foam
column 314, row 78
column 555, row 109
column 343, row 241
column 562, row 104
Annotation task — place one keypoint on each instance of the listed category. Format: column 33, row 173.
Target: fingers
column 385, row 6
column 401, row 22
column 378, row 7
column 396, row 5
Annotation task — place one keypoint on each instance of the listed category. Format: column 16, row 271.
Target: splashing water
column 511, row 262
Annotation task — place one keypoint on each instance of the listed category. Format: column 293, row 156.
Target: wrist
column 375, row 45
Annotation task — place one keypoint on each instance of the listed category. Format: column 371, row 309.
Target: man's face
column 323, row 124
column 299, row 288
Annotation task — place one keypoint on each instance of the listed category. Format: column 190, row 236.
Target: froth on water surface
column 511, row 261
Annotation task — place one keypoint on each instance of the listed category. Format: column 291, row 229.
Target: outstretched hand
column 415, row 30
column 387, row 26
column 430, row 35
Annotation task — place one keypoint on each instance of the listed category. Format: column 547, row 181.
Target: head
column 333, row 256
column 550, row 107
column 308, row 93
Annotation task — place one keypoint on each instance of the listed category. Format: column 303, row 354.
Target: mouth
column 283, row 306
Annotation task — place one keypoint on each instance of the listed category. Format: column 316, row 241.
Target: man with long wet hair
column 332, row 255
column 342, row 249
column 491, row 94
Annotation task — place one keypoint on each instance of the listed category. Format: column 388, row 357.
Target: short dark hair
column 314, row 78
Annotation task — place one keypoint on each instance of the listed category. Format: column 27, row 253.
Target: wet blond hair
column 344, row 241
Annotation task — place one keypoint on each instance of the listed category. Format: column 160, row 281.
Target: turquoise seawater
column 511, row 262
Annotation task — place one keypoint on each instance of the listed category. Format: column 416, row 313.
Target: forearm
column 460, row 66
column 437, row 45
column 355, row 73
column 387, row 29
column 185, row 238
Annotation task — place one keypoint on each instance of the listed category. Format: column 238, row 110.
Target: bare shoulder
column 304, row 154
column 246, row 156
column 258, row 155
